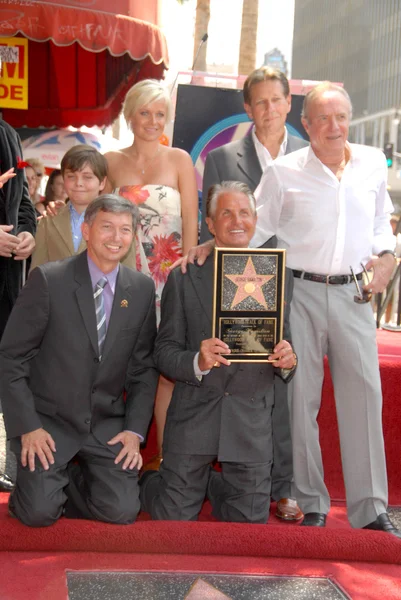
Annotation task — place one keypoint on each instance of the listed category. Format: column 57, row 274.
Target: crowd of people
column 104, row 332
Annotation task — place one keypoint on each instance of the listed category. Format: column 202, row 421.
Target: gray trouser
column 106, row 492
column 326, row 320
column 282, row 470
column 240, row 493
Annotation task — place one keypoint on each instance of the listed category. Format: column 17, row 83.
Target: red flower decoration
column 166, row 251
column 134, row 193
column 21, row 164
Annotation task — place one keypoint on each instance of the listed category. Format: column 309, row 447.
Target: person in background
column 84, row 171
column 17, row 231
column 216, row 413
column 91, row 321
column 32, row 181
column 267, row 102
column 160, row 180
column 55, row 190
column 35, row 171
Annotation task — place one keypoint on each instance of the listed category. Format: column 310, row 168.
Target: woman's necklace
column 148, row 161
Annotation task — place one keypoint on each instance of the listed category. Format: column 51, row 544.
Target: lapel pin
column 124, row 303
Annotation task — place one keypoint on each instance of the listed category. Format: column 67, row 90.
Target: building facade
column 356, row 42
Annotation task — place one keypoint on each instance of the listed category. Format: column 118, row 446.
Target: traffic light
column 388, row 153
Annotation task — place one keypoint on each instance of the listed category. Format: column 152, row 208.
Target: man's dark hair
column 264, row 74
column 111, row 203
column 79, row 156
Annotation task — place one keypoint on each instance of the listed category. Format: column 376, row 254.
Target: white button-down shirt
column 326, row 225
column 264, row 156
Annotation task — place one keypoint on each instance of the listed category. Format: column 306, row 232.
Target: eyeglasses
column 363, row 296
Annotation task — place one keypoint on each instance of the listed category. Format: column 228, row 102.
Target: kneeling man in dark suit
column 215, row 413
column 79, row 339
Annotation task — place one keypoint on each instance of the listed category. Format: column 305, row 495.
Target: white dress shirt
column 326, row 225
column 264, row 156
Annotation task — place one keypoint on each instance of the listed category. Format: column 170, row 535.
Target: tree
column 201, row 25
column 249, row 29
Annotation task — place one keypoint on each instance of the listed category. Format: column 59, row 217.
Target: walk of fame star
column 202, row 590
column 249, row 283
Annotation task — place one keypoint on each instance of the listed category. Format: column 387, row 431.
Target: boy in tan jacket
column 84, row 171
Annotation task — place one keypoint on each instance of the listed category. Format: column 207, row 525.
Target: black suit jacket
column 236, row 161
column 50, row 372
column 18, row 207
column 227, row 413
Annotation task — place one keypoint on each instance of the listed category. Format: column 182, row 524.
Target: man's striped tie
column 100, row 313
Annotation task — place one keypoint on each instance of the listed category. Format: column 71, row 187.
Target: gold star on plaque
column 249, row 283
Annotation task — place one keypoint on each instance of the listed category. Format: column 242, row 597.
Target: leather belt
column 327, row 279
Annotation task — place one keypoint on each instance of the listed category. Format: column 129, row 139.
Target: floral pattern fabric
column 159, row 238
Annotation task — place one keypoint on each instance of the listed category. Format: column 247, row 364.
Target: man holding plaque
column 219, row 409
column 267, row 102
column 329, row 206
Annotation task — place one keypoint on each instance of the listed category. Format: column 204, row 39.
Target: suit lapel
column 62, row 223
column 123, row 304
column 82, row 246
column 248, row 161
column 290, row 144
column 202, row 280
column 294, row 143
column 6, row 163
column 84, row 294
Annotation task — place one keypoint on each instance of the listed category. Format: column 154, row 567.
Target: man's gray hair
column 225, row 187
column 318, row 90
column 111, row 203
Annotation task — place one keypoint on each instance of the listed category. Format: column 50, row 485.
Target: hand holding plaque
column 211, row 354
column 249, row 301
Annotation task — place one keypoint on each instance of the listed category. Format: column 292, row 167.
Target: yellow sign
column 13, row 72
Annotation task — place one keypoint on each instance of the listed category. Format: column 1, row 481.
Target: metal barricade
column 392, row 297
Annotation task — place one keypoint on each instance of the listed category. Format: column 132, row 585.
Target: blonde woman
column 34, row 173
column 160, row 180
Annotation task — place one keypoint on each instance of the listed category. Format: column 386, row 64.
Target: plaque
column 248, row 302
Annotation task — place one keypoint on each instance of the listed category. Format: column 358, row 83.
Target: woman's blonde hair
column 143, row 93
column 36, row 165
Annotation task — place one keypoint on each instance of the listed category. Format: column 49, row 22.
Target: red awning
column 81, row 61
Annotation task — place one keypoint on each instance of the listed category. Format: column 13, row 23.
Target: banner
column 13, row 72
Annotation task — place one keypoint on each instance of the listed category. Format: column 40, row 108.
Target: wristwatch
column 383, row 252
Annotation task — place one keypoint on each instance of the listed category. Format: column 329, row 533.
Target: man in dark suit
column 80, row 338
column 267, row 102
column 17, row 230
column 222, row 413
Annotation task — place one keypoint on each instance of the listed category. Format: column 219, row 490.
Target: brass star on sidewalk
column 201, row 590
column 249, row 284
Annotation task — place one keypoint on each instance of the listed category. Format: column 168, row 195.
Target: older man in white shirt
column 329, row 208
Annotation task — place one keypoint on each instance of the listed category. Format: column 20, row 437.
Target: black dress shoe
column 314, row 520
column 6, row 484
column 383, row 523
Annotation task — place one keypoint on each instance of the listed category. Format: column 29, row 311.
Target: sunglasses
column 364, row 296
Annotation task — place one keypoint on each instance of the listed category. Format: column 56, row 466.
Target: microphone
column 203, row 40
